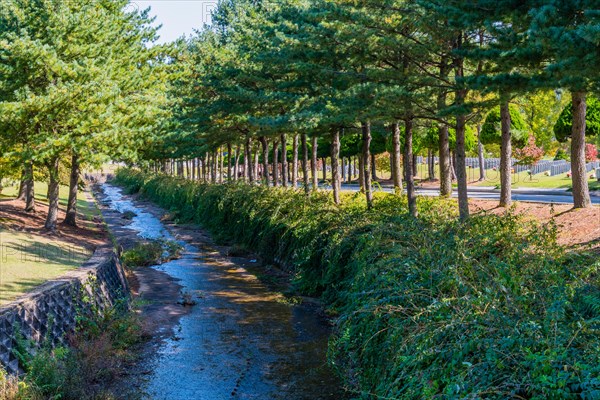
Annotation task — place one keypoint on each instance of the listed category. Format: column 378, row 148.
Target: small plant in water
column 150, row 253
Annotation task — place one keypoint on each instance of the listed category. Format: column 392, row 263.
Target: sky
column 178, row 17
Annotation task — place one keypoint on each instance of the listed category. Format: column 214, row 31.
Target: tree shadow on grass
column 13, row 290
column 44, row 252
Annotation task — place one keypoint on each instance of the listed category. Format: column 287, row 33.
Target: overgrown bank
column 429, row 306
column 96, row 355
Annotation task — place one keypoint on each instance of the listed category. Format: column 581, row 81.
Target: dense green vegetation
column 102, row 344
column 429, row 307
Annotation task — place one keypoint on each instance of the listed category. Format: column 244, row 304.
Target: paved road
column 529, row 195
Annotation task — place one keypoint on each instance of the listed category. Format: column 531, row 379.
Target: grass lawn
column 28, row 259
column 523, row 180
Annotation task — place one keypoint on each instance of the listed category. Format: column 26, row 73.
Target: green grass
column 28, row 260
column 523, row 180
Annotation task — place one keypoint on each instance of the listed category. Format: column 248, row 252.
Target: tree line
column 295, row 82
column 79, row 86
column 270, row 90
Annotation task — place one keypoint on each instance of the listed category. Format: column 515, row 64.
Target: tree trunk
column 221, row 169
column 313, row 164
column 445, row 162
column 71, row 217
column 581, row 190
column 415, row 165
column 284, row 163
column 29, row 188
column 480, row 154
column 430, row 165
column 396, row 170
column 350, row 169
column 53, row 188
column 265, row 149
column 23, row 185
column 215, row 167
column 255, row 163
column 295, row 162
column 373, row 167
column 343, row 169
column 361, row 173
column 248, row 173
column 275, row 163
column 305, row 163
column 409, row 160
column 236, row 165
column 452, row 164
column 335, row 168
column 324, row 164
column 367, row 174
column 229, row 169
column 505, row 156
column 461, row 168
column 460, row 165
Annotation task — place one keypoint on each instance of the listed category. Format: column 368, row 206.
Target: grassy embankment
column 427, row 307
column 28, row 257
column 104, row 341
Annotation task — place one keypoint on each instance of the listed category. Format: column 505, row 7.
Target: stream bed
column 241, row 340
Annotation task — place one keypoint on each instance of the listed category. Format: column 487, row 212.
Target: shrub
column 143, row 254
column 561, row 155
column 429, row 307
column 102, row 342
column 151, row 253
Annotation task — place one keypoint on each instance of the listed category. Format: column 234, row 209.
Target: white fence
column 553, row 167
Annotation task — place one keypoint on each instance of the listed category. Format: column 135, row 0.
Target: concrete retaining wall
column 48, row 314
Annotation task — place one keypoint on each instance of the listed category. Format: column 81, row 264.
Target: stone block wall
column 49, row 313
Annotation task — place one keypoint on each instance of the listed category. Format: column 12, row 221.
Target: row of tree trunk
column 27, row 191
column 211, row 167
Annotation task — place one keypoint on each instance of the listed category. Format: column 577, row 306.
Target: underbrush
column 149, row 253
column 97, row 353
column 428, row 307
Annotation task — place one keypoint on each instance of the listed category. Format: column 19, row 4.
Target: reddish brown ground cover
column 89, row 234
column 577, row 227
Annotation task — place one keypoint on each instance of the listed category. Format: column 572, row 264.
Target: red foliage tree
column 530, row 154
column 591, row 152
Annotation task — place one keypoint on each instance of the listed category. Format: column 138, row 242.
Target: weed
column 151, row 253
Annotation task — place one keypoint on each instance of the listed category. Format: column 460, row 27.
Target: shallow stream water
column 241, row 340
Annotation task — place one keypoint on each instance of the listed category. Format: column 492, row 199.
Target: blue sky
column 178, row 17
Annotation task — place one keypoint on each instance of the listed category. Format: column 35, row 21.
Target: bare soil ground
column 577, row 228
column 89, row 234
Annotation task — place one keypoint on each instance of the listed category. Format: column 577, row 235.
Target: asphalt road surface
column 530, row 195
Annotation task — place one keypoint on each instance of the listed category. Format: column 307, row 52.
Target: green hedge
column 428, row 307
